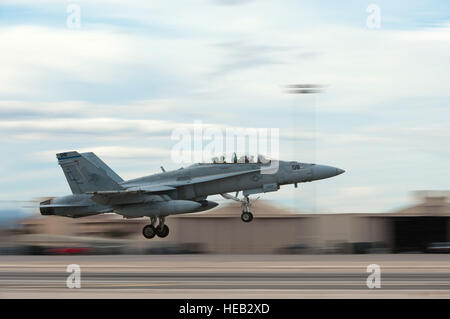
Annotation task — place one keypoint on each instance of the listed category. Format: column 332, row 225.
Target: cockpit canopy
column 261, row 159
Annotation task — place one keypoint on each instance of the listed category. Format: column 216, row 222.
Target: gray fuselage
column 189, row 187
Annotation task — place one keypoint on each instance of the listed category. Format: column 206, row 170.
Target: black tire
column 246, row 217
column 162, row 232
column 149, row 231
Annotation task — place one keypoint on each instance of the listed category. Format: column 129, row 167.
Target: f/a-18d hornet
column 97, row 189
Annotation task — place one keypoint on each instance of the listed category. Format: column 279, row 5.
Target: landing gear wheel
column 247, row 217
column 162, row 231
column 149, row 231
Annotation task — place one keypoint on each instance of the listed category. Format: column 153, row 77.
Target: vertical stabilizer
column 85, row 176
column 94, row 159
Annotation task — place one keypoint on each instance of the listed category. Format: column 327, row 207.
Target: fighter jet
column 97, row 189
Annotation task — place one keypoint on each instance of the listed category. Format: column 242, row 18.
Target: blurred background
column 422, row 227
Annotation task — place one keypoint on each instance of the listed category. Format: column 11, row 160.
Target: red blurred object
column 70, row 250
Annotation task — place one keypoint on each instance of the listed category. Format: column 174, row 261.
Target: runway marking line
column 225, row 267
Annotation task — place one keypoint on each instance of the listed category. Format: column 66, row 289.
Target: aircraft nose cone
column 323, row 171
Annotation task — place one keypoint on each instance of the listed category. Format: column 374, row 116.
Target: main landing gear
column 162, row 230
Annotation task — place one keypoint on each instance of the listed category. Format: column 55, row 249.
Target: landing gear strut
column 161, row 230
column 246, row 216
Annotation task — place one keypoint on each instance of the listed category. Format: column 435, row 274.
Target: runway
column 217, row 276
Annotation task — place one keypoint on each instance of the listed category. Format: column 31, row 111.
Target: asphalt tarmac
column 229, row 276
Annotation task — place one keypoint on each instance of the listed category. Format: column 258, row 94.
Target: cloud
column 137, row 70
column 242, row 55
column 115, row 152
column 232, row 2
column 93, row 64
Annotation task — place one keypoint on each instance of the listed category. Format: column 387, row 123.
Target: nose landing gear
column 162, row 230
column 246, row 216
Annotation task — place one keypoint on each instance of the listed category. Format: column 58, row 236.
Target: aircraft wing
column 137, row 193
column 150, row 188
column 130, row 195
column 210, row 178
column 61, row 205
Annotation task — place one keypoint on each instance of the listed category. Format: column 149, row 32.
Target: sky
column 120, row 79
